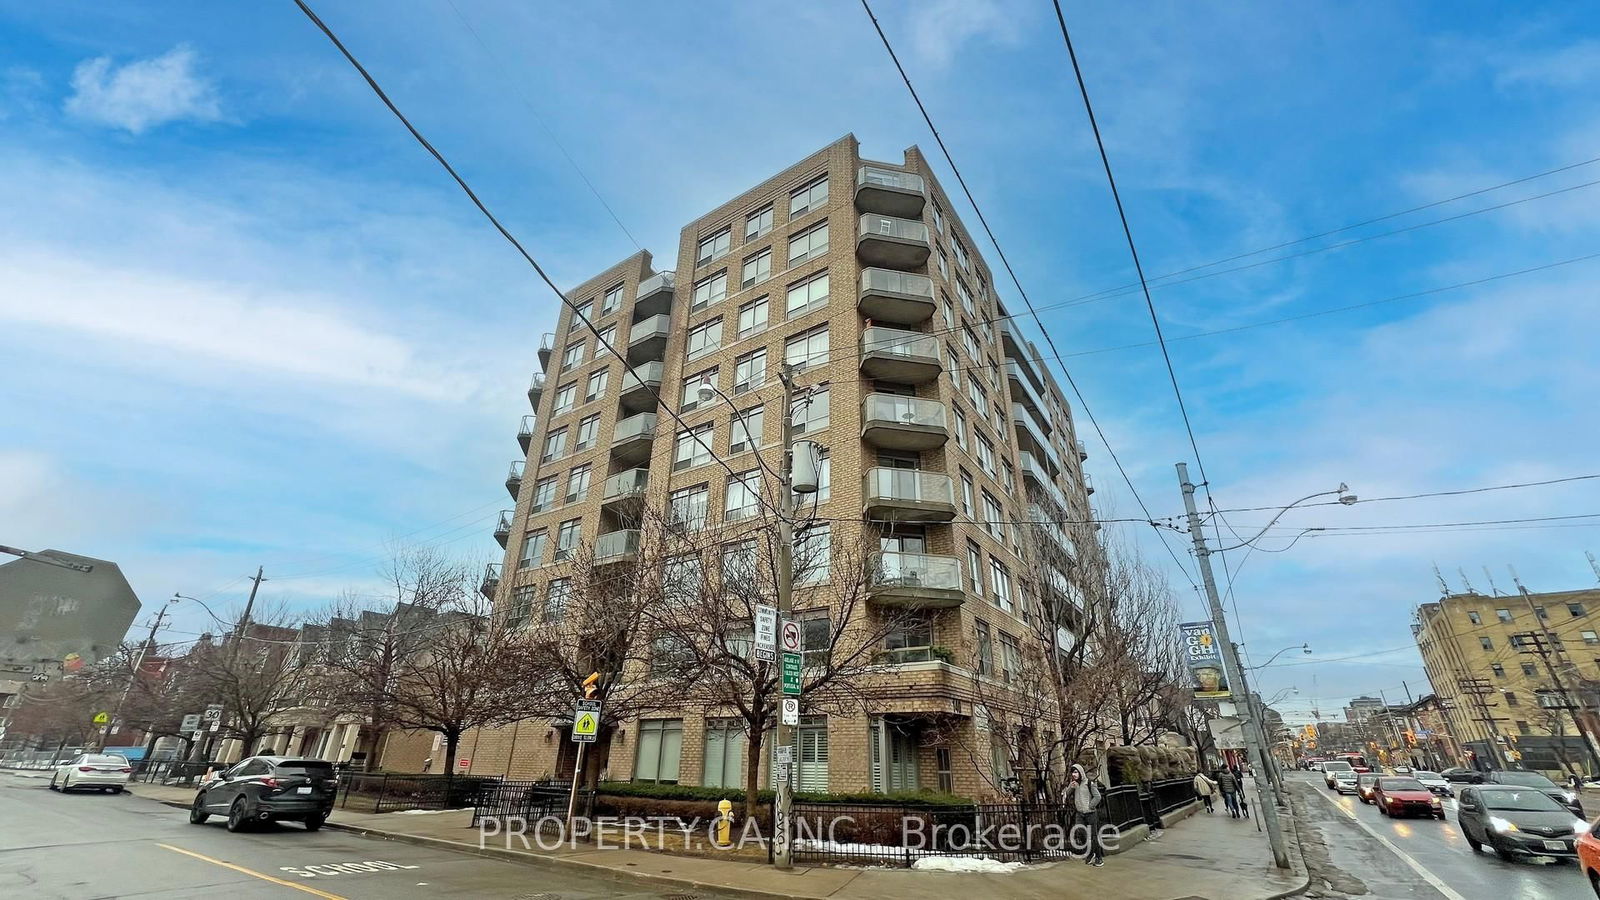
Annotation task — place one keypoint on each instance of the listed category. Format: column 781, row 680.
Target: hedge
column 736, row 795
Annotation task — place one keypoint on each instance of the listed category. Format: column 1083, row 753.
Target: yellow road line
column 252, row 873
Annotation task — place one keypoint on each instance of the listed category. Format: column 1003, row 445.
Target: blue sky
column 245, row 321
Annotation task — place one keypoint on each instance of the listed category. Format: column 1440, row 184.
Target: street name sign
column 586, row 721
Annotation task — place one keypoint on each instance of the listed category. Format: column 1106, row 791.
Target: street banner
column 1207, row 676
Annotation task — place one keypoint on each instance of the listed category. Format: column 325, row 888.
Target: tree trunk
column 752, row 770
column 452, row 739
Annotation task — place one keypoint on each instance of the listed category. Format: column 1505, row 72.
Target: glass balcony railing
column 616, row 545
column 661, row 281
column 915, row 572
column 873, row 225
column 899, row 298
column 873, row 175
column 491, row 580
column 895, row 409
column 641, row 426
column 655, row 295
column 894, row 282
column 650, row 375
column 890, row 191
column 502, row 528
column 897, row 342
column 626, row 485
column 908, row 486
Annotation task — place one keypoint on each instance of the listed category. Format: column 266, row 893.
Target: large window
column 555, row 445
column 807, row 349
column 908, row 636
column 578, row 483
column 961, row 427
column 612, row 300
column 756, row 269
column 816, row 639
column 688, row 507
column 750, row 371
column 748, row 427
column 596, row 385
column 681, row 579
column 713, row 289
column 693, row 447
column 567, row 537
column 572, row 357
column 581, row 315
column 588, row 432
column 660, row 748
column 753, row 316
column 811, row 413
column 704, row 338
column 758, row 223
column 985, row 649
column 966, row 494
column 811, row 196
column 725, row 742
column 521, row 606
column 1010, row 657
column 743, row 498
column 986, row 455
column 739, row 561
column 813, row 554
column 807, row 295
column 556, row 595
column 691, row 388
column 532, row 549
column 544, row 494
column 992, row 516
column 975, row 566
column 1000, row 584
column 565, row 398
column 808, row 244
column 714, row 246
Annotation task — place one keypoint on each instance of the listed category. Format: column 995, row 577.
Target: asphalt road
column 86, row 846
column 1426, row 858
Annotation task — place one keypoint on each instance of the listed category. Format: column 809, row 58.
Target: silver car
column 92, row 771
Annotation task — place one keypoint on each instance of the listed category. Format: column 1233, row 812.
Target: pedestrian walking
column 1085, row 796
column 1228, row 784
column 1205, row 789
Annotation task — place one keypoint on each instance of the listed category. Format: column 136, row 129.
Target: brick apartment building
column 945, row 439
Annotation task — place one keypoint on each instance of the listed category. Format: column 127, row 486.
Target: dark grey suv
column 268, row 788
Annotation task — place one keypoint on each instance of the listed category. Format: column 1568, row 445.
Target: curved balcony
column 893, row 243
column 655, row 295
column 915, row 580
column 536, row 391
column 894, row 422
column 890, row 192
column 647, row 339
column 639, row 392
column 1083, row 451
column 502, row 528
column 514, row 478
column 547, row 346
column 908, row 495
column 632, row 438
column 616, row 547
column 525, row 431
column 491, row 580
column 624, row 491
column 897, row 298
column 891, row 354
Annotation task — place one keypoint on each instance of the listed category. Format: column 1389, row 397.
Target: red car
column 1402, row 795
column 1589, row 856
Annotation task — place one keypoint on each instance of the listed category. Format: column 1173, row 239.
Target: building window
column 565, row 399
column 532, row 549
column 681, row 579
column 567, row 537
column 1539, row 611
column 910, row 639
column 813, row 554
column 753, row 316
column 807, row 295
column 693, row 447
column 1498, row 670
column 810, row 413
column 966, row 298
column 955, row 366
column 544, row 494
column 739, row 561
column 709, row 290
column 808, row 244
column 521, row 606
column 824, row 489
column 691, row 388
column 992, row 516
column 704, row 338
column 750, row 371
column 808, row 348
column 612, row 299
column 588, row 432
column 555, row 445
column 809, row 197
column 756, row 269
column 660, row 749
column 966, row 494
column 1503, row 615
column 986, row 455
column 1528, row 670
column 607, row 339
column 580, row 316
column 961, row 253
column 725, row 741
column 1010, row 657
column 556, row 594
column 975, row 566
column 714, row 246
column 938, row 218
column 1575, row 609
column 687, row 507
column 1486, row 643
column 747, row 430
column 944, row 265
column 578, row 483
column 1590, row 637
column 1511, row 698
column 1474, row 618
column 572, row 357
column 758, row 223
column 596, row 385
column 1010, row 476
column 816, row 639
column 985, row 649
column 961, row 427
column 1000, row 584
column 743, row 498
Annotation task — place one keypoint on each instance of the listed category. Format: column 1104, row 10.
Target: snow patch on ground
column 978, row 864
column 422, row 812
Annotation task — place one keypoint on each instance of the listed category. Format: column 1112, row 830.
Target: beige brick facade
column 1007, row 431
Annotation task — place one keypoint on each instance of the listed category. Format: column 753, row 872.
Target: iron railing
column 529, row 800
column 394, row 792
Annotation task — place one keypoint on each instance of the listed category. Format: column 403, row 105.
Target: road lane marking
column 1407, row 858
column 252, row 873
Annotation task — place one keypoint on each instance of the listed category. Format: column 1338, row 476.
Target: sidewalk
column 1210, row 857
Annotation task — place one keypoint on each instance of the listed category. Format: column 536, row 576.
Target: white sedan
column 94, row 771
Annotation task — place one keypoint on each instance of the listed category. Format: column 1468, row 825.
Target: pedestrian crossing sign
column 586, row 721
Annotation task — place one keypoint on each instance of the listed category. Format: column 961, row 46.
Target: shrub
column 686, row 792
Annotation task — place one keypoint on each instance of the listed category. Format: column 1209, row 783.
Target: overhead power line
column 1451, row 493
column 1016, row 282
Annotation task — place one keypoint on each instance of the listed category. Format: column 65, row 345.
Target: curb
column 1300, row 846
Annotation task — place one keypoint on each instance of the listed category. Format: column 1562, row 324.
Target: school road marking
column 1407, row 858
column 252, row 873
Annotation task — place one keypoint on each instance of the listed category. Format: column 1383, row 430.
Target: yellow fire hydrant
column 724, row 823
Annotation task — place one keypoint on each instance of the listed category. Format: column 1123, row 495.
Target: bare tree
column 249, row 674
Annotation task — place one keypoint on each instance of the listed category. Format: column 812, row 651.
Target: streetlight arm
column 1342, row 492
column 209, row 612
column 1305, row 647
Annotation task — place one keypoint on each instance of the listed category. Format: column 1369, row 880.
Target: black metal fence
column 171, row 771
column 394, row 792
column 529, row 800
column 1172, row 794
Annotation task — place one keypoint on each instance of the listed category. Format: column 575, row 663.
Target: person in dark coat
column 1228, row 784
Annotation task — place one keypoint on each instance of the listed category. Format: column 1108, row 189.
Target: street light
column 1304, row 647
column 1342, row 491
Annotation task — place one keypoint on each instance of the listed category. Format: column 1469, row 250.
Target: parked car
column 1365, row 782
column 92, row 771
column 1554, row 791
column 1459, row 775
column 1332, row 767
column 1517, row 821
column 268, row 788
column 1435, row 782
column 1589, row 856
column 1402, row 795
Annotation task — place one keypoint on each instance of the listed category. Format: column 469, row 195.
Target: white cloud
column 940, row 29
column 1575, row 65
column 144, row 93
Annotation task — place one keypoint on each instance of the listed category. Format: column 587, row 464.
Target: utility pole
column 782, row 816
column 1546, row 647
column 1478, row 689
column 233, row 652
column 1394, row 729
column 138, row 663
column 1236, row 673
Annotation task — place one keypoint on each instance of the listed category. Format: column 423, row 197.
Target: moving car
column 1459, row 775
column 1554, row 791
column 1356, row 761
column 1516, row 821
column 1402, row 795
column 1435, row 782
column 93, row 771
column 1333, row 767
column 268, row 788
column 1344, row 780
column 1365, row 782
column 1589, row 856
